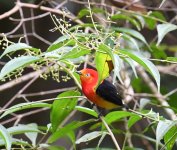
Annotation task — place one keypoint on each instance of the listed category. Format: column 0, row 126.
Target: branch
column 19, row 80
column 10, row 12
column 154, row 90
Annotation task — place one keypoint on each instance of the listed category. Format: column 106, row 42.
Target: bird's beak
column 79, row 72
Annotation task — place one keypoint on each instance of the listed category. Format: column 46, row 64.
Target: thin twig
column 19, row 92
column 110, row 133
column 46, row 92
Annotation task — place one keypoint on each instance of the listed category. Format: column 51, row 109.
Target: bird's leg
column 92, row 105
column 100, row 111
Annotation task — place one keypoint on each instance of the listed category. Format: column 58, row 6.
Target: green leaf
column 62, row 108
column 170, row 138
column 148, row 65
column 133, row 33
column 17, row 63
column 6, row 137
column 132, row 40
column 115, row 59
column 15, row 47
column 98, row 149
column 23, row 106
column 89, row 136
column 102, row 65
column 140, row 19
column 68, row 128
column 32, row 136
column 158, row 15
column 22, row 128
column 173, row 59
column 87, row 111
column 131, row 63
column 15, row 142
column 125, row 17
column 133, row 119
column 76, row 52
column 83, row 13
column 57, row 53
column 117, row 115
column 72, row 137
column 55, row 148
column 163, row 29
column 162, row 128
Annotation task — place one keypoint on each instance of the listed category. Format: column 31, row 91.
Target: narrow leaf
column 170, row 138
column 6, row 137
column 162, row 129
column 133, row 33
column 15, row 142
column 16, row 63
column 22, row 128
column 143, row 102
column 68, row 128
column 102, row 65
column 132, row 64
column 117, row 115
column 87, row 110
column 163, row 29
column 23, row 106
column 15, row 47
column 62, row 108
column 133, row 119
column 75, row 53
column 148, row 65
column 32, row 136
column 115, row 60
column 173, row 59
column 89, row 136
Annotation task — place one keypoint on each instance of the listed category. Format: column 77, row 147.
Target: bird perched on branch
column 103, row 95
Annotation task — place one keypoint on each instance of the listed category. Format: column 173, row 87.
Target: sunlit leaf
column 32, row 136
column 16, row 63
column 173, row 59
column 23, row 106
column 115, row 60
column 89, row 136
column 148, row 65
column 75, row 53
column 163, row 29
column 162, row 128
column 132, row 40
column 102, row 65
column 133, row 33
column 16, row 47
column 143, row 102
column 132, row 64
column 15, row 142
column 22, row 128
column 6, row 137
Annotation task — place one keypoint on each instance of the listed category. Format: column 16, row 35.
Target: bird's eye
column 88, row 74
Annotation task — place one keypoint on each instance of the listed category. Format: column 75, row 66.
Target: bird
column 104, row 95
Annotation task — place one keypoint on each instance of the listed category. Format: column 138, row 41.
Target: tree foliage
column 114, row 41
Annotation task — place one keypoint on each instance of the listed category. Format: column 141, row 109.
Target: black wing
column 108, row 91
